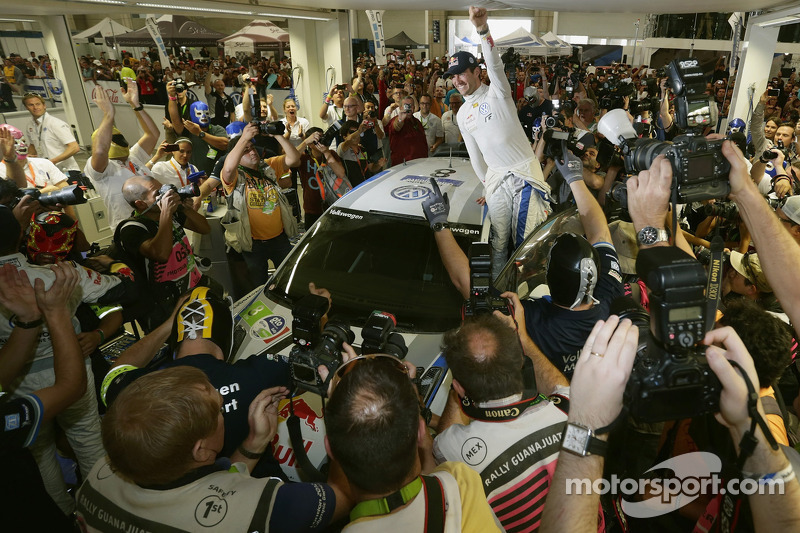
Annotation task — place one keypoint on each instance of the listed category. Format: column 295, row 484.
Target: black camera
column 726, row 210
column 553, row 143
column 370, row 114
column 482, row 295
column 269, row 128
column 651, row 104
column 180, row 85
column 671, row 378
column 314, row 346
column 510, row 60
column 379, row 336
column 190, row 190
column 330, row 134
column 72, row 195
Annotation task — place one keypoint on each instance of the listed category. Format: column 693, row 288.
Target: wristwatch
column 649, row 235
column 202, row 134
column 439, row 226
column 582, row 441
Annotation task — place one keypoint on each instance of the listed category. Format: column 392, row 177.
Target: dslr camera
column 269, row 128
column 482, row 295
column 379, row 336
column 698, row 166
column 190, row 190
column 180, row 85
column 330, row 134
column 315, row 346
column 72, row 195
column 671, row 378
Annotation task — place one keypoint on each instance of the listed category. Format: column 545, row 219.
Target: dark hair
column 312, row 131
column 496, row 370
column 766, row 337
column 348, row 126
column 371, row 422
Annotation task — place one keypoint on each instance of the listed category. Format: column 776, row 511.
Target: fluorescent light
column 17, row 20
column 201, row 9
column 113, row 2
column 791, row 19
column 284, row 15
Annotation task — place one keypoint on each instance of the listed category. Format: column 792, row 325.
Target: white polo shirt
column 51, row 136
column 39, row 172
column 170, row 172
column 109, row 182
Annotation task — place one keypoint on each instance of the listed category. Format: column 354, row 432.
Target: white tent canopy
column 523, row 42
column 104, row 28
column 557, row 46
column 258, row 35
column 464, row 44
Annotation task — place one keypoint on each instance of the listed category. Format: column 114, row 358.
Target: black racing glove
column 436, row 207
column 571, row 168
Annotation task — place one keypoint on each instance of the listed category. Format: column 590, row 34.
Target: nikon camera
column 481, row 298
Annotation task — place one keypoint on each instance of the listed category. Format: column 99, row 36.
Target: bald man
column 156, row 247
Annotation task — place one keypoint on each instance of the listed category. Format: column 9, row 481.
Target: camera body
column 330, row 134
column 269, row 128
column 698, row 166
column 315, row 346
column 671, row 378
column 694, row 109
column 190, row 190
column 481, row 300
column 180, row 85
column 378, row 336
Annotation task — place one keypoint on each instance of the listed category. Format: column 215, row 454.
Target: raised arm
column 14, row 169
column 494, row 66
column 172, row 106
column 150, row 131
column 594, row 221
column 235, row 155
column 102, row 137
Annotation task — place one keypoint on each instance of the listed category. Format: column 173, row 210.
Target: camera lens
column 646, row 151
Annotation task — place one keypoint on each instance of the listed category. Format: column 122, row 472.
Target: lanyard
column 178, row 172
column 32, row 179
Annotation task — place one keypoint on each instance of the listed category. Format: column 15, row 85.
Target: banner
column 376, row 25
column 55, row 89
column 152, row 27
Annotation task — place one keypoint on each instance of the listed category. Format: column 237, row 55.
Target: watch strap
column 201, row 134
column 138, row 108
column 596, row 446
column 26, row 325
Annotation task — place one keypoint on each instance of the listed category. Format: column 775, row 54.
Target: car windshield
column 374, row 261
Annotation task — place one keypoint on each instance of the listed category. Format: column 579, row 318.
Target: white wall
column 610, row 25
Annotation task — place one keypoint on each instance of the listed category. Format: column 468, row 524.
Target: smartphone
column 171, row 148
column 774, row 92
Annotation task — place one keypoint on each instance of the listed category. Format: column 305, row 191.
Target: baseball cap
column 749, row 266
column 459, row 62
column 791, row 208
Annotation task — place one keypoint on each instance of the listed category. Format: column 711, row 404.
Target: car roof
column 402, row 189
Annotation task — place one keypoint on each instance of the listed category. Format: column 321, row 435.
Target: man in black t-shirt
column 583, row 275
column 154, row 244
column 537, row 105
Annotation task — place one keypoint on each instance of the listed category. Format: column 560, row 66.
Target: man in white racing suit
column 516, row 193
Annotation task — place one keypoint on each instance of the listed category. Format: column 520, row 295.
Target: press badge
column 212, row 153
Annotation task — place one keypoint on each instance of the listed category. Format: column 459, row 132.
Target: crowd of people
column 538, row 394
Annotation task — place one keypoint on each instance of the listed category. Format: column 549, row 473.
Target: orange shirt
column 261, row 198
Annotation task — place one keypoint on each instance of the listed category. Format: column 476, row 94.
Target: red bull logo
column 303, row 411
column 285, row 454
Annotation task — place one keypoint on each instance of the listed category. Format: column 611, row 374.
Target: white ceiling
column 51, row 7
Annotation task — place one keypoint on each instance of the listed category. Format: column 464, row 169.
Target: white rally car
column 374, row 251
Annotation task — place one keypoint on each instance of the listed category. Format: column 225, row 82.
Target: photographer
column 176, row 110
column 354, row 157
column 406, row 135
column 332, row 109
column 177, row 170
column 164, row 433
column 582, row 273
column 432, row 124
column 209, row 351
column 255, row 187
column 113, row 161
column 486, row 357
column 597, row 389
column 210, row 140
column 376, row 437
column 154, row 244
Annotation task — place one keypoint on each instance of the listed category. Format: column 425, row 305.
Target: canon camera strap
column 504, row 413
